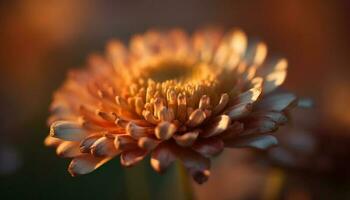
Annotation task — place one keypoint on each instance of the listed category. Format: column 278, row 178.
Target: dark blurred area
column 41, row 40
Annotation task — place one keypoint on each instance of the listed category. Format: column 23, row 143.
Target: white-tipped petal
column 204, row 102
column 224, row 99
column 165, row 130
column 187, row 139
column 85, row 164
column 238, row 42
column 260, row 53
column 104, row 146
column 273, row 80
column 219, row 125
column 124, row 142
column 68, row 149
column 52, row 142
column 130, row 158
column 148, row 143
column 249, row 96
column 67, row 130
column 196, row 118
column 166, row 114
column 161, row 158
column 85, row 144
column 276, row 77
column 136, row 131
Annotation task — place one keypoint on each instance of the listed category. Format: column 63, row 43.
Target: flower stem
column 136, row 183
column 184, row 184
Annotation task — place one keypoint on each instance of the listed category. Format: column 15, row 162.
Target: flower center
column 169, row 71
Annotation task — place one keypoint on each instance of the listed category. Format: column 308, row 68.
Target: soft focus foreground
column 41, row 40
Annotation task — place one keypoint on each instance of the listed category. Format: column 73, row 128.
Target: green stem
column 183, row 182
column 136, row 182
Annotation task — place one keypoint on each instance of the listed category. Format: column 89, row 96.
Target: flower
column 171, row 96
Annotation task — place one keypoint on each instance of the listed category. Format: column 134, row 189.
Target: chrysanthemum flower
column 170, row 96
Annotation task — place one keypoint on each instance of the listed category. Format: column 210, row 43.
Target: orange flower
column 172, row 96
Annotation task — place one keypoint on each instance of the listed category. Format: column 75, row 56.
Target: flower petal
column 165, row 130
column 260, row 142
column 209, row 147
column 186, row 139
column 278, row 117
column 125, row 142
column 277, row 102
column 273, row 80
column 85, row 164
column 224, row 99
column 68, row 149
column 130, row 158
column 238, row 41
column 67, row 130
column 238, row 111
column 204, row 102
column 135, row 130
column 85, row 144
column 249, row 96
column 276, row 76
column 162, row 157
column 52, row 142
column 260, row 126
column 233, row 130
column 197, row 165
column 256, row 53
column 219, row 125
column 148, row 143
column 196, row 118
column 104, row 146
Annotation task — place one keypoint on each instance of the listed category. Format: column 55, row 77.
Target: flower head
column 172, row 96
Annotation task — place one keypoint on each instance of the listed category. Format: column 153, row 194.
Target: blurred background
column 41, row 39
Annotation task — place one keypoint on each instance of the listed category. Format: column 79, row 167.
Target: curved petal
column 209, row 147
column 274, row 75
column 162, row 157
column 85, row 164
column 219, row 125
column 68, row 149
column 104, row 146
column 238, row 111
column 85, row 144
column 130, row 158
column 52, row 142
column 259, row 142
column 259, row 126
column 277, row 102
column 67, row 130
column 196, row 118
column 165, row 130
column 187, row 139
column 197, row 165
column 148, row 143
